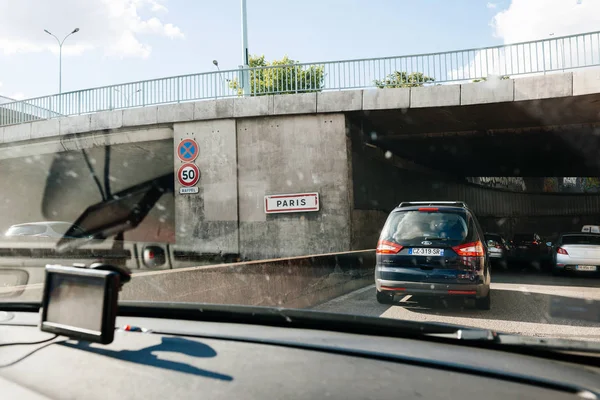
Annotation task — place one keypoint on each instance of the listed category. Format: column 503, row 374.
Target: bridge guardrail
column 533, row 57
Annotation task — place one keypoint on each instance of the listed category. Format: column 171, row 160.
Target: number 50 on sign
column 188, row 176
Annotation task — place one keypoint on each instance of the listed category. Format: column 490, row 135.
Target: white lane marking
column 406, row 298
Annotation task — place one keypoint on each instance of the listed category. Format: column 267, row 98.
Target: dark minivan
column 435, row 249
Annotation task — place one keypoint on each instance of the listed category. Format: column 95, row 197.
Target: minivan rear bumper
column 477, row 290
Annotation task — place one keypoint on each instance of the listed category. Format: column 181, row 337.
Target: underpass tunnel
column 523, row 167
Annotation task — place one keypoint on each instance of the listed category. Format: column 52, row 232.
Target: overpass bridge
column 363, row 150
column 348, row 146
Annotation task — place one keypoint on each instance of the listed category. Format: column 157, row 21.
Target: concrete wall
column 294, row 282
column 208, row 221
column 379, row 184
column 366, row 227
column 570, row 84
column 293, row 154
column 267, row 155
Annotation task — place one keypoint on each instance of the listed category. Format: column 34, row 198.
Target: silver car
column 578, row 252
column 46, row 229
column 498, row 248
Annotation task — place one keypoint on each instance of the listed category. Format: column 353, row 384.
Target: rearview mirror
column 121, row 213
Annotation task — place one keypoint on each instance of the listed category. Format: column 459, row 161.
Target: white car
column 577, row 252
column 47, row 229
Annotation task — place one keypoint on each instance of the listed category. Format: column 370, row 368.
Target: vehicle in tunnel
column 577, row 252
column 433, row 249
column 499, row 248
column 531, row 248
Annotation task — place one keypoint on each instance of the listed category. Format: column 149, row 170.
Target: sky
column 129, row 40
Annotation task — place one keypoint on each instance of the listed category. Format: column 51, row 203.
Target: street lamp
column 245, row 55
column 60, row 44
column 216, row 64
column 127, row 98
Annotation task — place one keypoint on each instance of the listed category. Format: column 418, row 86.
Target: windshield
column 349, row 159
column 495, row 238
column 410, row 226
column 581, row 239
column 524, row 238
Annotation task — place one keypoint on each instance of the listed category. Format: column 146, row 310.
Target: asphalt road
column 522, row 303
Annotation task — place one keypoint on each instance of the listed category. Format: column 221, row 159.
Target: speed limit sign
column 188, row 175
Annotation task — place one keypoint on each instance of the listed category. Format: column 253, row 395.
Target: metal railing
column 534, row 57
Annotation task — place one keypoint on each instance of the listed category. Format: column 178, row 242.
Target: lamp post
column 60, row 44
column 245, row 55
column 225, row 82
column 127, row 98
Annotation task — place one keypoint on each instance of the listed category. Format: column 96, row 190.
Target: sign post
column 188, row 174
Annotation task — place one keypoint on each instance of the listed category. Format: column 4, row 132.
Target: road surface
column 533, row 305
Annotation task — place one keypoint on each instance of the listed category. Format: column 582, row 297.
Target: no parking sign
column 187, row 151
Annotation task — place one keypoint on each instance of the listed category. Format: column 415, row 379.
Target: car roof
column 440, row 208
column 46, row 223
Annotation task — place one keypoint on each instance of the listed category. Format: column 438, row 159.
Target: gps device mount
column 80, row 301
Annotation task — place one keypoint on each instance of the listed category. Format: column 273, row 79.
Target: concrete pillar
column 287, row 155
column 207, row 221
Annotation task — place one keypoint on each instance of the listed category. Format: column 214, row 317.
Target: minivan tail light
column 386, row 247
column 428, row 209
column 560, row 250
column 473, row 249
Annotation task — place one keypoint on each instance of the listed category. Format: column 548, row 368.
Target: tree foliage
column 503, row 77
column 283, row 76
column 400, row 79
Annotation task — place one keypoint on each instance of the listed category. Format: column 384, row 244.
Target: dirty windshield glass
column 410, row 225
column 415, row 161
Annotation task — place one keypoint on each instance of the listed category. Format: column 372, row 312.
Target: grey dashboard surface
column 217, row 363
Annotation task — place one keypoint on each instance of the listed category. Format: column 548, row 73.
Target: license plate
column 585, row 268
column 426, row 252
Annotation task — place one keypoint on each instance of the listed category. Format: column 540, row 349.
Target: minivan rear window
column 410, row 226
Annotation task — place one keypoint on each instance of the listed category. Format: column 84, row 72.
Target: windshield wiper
column 362, row 325
column 514, row 340
column 292, row 318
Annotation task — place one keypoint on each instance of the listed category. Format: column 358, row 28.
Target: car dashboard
column 171, row 358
